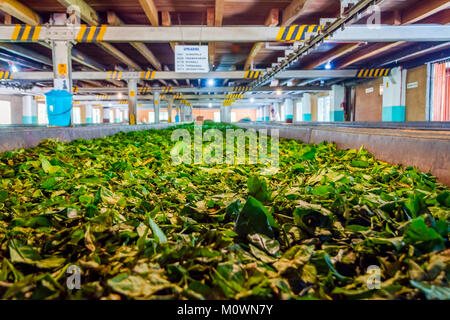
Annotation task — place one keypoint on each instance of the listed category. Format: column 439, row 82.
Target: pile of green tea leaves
column 139, row 227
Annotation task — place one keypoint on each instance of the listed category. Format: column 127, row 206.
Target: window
column 163, row 116
column 96, row 115
column 298, row 111
column 151, row 117
column 5, row 112
column 216, row 116
column 441, row 91
column 323, row 108
column 42, row 113
column 76, row 115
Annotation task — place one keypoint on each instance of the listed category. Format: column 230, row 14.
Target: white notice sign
column 412, row 85
column 191, row 59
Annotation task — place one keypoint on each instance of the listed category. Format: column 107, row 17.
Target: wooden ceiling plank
column 88, row 14
column 150, row 11
column 218, row 14
column 423, row 10
column 293, row 12
column 114, row 20
column 20, row 11
column 408, row 16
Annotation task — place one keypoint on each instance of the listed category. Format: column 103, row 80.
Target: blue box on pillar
column 59, row 107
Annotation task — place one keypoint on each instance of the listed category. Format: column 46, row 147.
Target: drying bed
column 329, row 224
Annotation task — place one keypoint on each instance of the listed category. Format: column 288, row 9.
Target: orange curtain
column 441, row 92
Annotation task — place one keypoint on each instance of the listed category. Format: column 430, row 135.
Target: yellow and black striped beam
column 103, row 97
column 373, row 73
column 167, row 89
column 297, row 32
column 24, row 32
column 143, row 90
column 242, row 89
column 178, row 96
column 235, row 96
column 114, row 75
column 253, row 74
column 75, row 89
column 148, row 75
column 91, row 34
column 123, row 102
column 6, row 75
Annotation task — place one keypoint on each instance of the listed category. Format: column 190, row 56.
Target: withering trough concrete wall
column 429, row 151
column 13, row 138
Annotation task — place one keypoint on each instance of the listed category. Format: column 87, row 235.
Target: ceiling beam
column 423, row 10
column 150, row 11
column 271, row 21
column 411, row 15
column 20, row 11
column 218, row 15
column 114, row 20
column 87, row 13
column 27, row 15
column 90, row 16
column 293, row 12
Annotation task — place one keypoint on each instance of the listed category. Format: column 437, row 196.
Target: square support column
column 306, row 107
column 394, row 95
column 107, row 115
column 337, row 100
column 62, row 65
column 266, row 113
column 29, row 110
column 89, row 113
column 132, row 102
column 289, row 110
column 169, row 110
column 156, row 105
column 182, row 114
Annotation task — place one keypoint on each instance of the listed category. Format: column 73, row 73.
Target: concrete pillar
column 306, row 107
column 117, row 115
column 29, row 110
column 107, row 115
column 258, row 114
column 267, row 113
column 125, row 116
column 169, row 110
column 178, row 114
column 336, row 100
column 89, row 113
column 132, row 102
column 156, row 105
column 182, row 119
column 289, row 110
column 394, row 95
column 62, row 65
